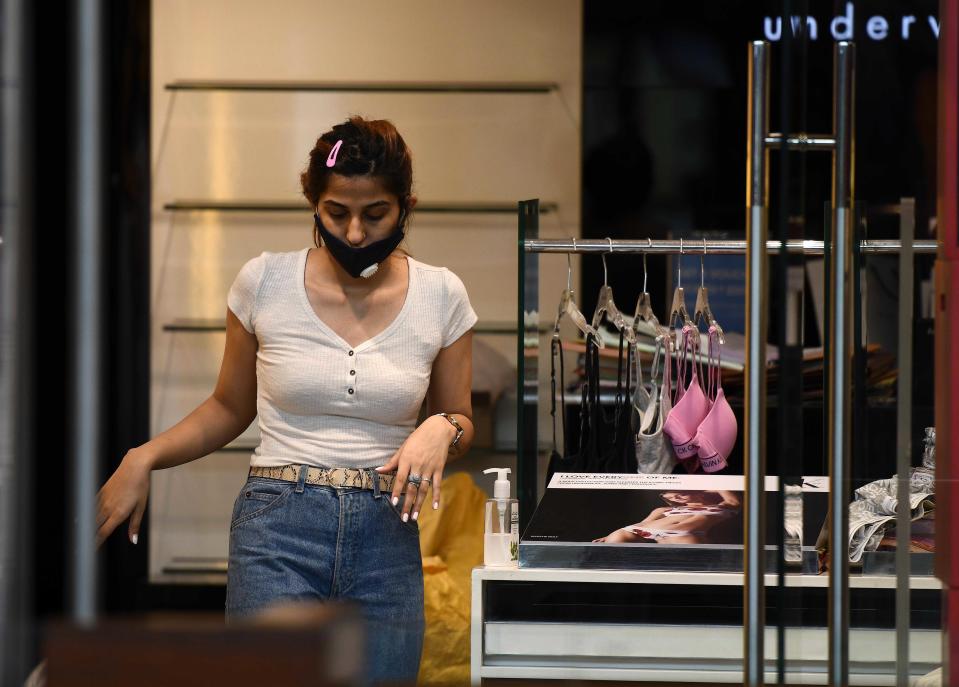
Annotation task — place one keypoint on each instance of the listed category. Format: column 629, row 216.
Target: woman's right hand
column 125, row 493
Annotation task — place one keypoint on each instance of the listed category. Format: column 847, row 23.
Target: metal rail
column 87, row 401
column 904, row 443
column 840, row 344
column 754, row 415
column 18, row 624
column 719, row 247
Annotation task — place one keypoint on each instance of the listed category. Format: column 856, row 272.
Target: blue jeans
column 292, row 541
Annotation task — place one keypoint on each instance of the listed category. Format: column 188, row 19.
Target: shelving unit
column 477, row 87
column 199, row 205
column 203, row 324
column 191, row 214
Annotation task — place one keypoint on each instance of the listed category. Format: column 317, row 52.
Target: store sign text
column 877, row 27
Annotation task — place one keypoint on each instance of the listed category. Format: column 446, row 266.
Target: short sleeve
column 460, row 314
column 241, row 298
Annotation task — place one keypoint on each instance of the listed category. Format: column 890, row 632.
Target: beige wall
column 243, row 146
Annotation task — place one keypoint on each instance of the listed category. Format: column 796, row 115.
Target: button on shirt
column 321, row 401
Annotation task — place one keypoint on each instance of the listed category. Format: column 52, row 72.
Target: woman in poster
column 687, row 518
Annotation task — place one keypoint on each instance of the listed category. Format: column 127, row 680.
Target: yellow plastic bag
column 451, row 542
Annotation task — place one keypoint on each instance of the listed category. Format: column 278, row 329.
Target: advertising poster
column 619, row 520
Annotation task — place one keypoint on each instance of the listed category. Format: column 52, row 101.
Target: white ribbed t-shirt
column 321, row 401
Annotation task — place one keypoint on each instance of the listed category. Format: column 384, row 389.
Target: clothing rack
column 531, row 247
column 718, row 247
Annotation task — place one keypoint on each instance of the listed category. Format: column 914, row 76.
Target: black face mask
column 360, row 262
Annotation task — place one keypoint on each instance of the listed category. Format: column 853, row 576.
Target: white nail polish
column 405, row 517
column 436, row 505
column 415, row 515
column 396, row 499
column 135, row 537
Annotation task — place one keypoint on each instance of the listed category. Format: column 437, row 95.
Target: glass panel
column 530, row 349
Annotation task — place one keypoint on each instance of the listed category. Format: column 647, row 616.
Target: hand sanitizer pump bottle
column 501, row 533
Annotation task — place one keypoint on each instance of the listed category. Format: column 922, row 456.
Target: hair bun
column 370, row 147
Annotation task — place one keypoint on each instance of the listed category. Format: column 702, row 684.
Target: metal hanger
column 644, row 306
column 678, row 309
column 605, row 305
column 703, row 311
column 644, row 313
column 567, row 307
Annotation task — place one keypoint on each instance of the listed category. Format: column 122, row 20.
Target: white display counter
column 705, row 652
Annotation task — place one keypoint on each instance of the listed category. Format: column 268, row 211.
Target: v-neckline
column 311, row 312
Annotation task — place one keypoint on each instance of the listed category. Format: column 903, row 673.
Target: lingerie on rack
column 578, row 460
column 606, row 442
column 716, row 434
column 559, row 460
column 610, row 440
column 682, row 420
column 690, row 404
column 654, row 452
column 618, row 452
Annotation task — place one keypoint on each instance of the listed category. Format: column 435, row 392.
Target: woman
column 334, row 349
column 687, row 519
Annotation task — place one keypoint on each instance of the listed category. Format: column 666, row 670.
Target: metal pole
column 757, row 193
column 16, row 345
column 87, row 322
column 907, row 224
column 840, row 355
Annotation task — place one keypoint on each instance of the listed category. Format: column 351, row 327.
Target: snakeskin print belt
column 333, row 477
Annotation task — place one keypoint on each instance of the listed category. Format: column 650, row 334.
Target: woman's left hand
column 423, row 453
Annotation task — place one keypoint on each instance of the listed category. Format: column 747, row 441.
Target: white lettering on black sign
column 843, row 27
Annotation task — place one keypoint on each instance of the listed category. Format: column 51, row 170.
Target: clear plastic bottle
column 501, row 524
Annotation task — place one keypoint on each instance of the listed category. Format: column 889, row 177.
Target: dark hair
column 371, row 147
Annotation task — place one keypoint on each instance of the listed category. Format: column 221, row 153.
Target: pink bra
column 690, row 407
column 716, row 434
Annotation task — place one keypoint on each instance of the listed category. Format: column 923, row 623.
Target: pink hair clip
column 331, row 160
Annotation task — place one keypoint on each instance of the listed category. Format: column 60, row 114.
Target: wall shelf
column 202, row 325
column 195, row 325
column 209, row 205
column 196, row 565
column 272, row 109
column 239, row 447
column 471, row 87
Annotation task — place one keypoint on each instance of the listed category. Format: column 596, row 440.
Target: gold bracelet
column 456, row 425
